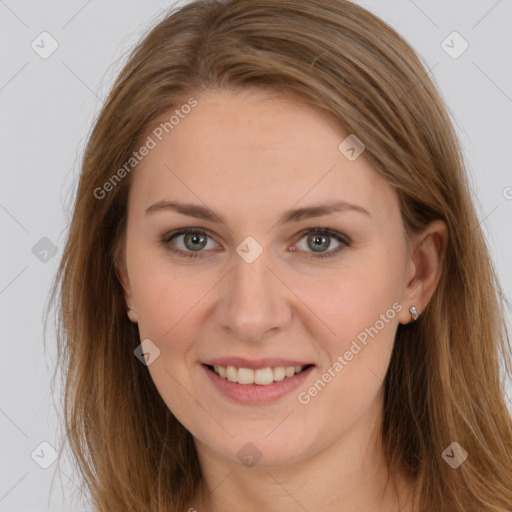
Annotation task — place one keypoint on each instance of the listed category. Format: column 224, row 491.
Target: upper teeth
column 263, row 376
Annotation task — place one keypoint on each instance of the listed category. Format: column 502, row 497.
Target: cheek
column 360, row 305
column 168, row 303
column 353, row 298
column 166, row 294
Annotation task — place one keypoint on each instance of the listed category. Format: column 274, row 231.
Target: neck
column 347, row 476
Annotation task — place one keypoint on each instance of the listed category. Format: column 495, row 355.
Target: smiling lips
column 256, row 381
column 262, row 376
column 262, row 372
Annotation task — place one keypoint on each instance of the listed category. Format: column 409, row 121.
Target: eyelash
column 344, row 240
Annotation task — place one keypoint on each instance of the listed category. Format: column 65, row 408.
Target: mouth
column 260, row 377
column 256, row 386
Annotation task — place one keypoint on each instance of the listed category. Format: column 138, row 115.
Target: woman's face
column 260, row 289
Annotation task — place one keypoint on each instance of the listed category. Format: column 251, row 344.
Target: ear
column 425, row 264
column 122, row 275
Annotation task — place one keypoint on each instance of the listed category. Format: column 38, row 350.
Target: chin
column 258, row 451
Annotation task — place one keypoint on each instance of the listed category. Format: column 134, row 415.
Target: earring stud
column 414, row 313
column 131, row 314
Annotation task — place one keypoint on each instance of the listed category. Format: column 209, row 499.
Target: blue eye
column 195, row 240
column 321, row 238
column 192, row 237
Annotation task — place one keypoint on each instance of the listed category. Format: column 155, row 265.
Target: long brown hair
column 444, row 383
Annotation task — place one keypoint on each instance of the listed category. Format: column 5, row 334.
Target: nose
column 255, row 302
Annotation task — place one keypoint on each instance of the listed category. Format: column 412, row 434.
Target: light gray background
column 46, row 110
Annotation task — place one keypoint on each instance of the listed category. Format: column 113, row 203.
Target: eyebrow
column 295, row 215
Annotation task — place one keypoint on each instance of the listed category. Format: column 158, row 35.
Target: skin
column 250, row 156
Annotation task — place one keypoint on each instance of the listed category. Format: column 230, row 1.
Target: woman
column 275, row 293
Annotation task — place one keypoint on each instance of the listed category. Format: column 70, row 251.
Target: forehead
column 255, row 150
